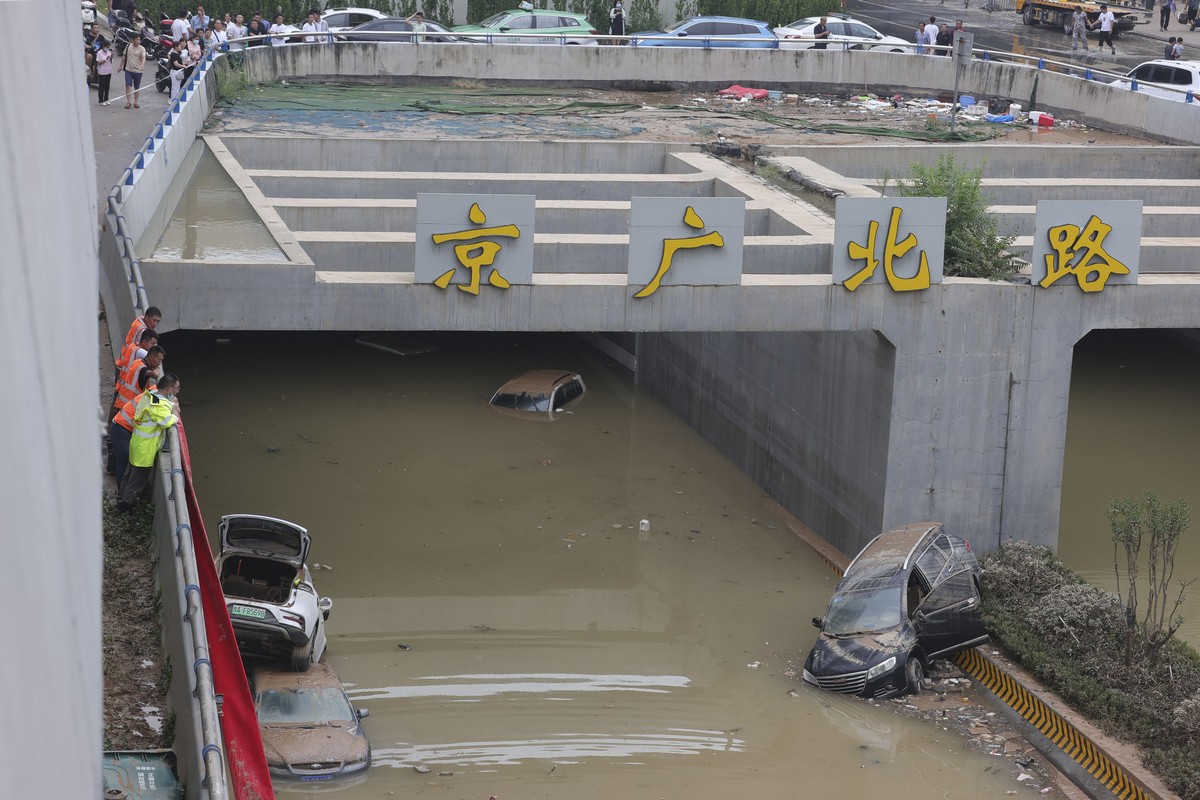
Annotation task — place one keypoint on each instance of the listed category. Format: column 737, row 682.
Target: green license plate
column 248, row 611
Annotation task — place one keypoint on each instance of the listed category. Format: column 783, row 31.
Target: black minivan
column 910, row 596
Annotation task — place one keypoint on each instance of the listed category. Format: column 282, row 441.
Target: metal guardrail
column 212, row 752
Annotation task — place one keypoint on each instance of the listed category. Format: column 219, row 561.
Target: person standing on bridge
column 1079, row 29
column 120, row 429
column 1105, row 23
column 821, row 34
column 153, row 417
column 920, row 37
column 150, row 320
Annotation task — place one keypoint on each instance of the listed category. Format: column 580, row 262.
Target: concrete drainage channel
column 1072, row 745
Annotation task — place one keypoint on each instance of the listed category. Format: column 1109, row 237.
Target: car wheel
column 1027, row 15
column 914, row 673
column 1067, row 24
column 302, row 657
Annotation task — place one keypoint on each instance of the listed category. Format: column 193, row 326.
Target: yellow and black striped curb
column 1061, row 733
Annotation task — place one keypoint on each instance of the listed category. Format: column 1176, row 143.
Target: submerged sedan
column 310, row 731
column 910, row 596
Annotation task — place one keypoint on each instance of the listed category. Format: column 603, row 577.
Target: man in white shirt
column 235, row 30
column 1105, row 22
column 278, row 31
column 315, row 25
column 180, row 28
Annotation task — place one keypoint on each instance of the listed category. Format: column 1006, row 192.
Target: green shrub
column 1070, row 636
column 974, row 246
column 643, row 16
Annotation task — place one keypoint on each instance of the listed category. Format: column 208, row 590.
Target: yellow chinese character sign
column 1090, row 245
column 899, row 241
column 689, row 241
column 474, row 241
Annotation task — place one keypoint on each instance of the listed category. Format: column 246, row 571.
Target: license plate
column 316, row 777
column 248, row 611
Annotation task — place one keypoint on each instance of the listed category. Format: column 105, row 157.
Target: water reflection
column 497, row 607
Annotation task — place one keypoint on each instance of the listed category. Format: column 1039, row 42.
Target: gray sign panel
column 688, row 241
column 474, row 240
column 1089, row 244
column 895, row 240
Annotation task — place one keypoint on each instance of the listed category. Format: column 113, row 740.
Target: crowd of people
column 933, row 38
column 145, row 406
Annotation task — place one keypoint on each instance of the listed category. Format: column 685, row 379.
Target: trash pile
column 933, row 110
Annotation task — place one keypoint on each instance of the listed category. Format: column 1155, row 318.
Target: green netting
column 327, row 97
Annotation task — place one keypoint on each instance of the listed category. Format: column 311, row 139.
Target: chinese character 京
column 1093, row 266
column 672, row 246
column 892, row 250
column 476, row 252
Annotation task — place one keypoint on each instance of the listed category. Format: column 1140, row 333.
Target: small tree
column 644, row 16
column 974, row 246
column 1159, row 526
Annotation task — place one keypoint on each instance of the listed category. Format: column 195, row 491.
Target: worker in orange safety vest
column 120, row 429
column 132, row 381
column 148, row 320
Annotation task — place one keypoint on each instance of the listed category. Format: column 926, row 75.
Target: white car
column 1163, row 78
column 845, row 33
column 343, row 19
column 275, row 611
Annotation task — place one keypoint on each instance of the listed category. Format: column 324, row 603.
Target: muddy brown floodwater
column 497, row 607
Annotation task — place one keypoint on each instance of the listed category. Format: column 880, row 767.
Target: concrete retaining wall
column 805, row 415
column 839, row 71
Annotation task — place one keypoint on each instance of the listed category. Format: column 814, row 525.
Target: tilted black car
column 910, row 596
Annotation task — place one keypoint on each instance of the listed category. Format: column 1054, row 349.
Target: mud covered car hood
column 830, row 655
column 306, row 745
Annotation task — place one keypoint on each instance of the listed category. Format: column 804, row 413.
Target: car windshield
column 523, row 401
column 303, row 706
column 494, row 20
column 863, row 610
column 676, row 26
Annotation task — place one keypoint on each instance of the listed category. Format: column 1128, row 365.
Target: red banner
column 243, row 745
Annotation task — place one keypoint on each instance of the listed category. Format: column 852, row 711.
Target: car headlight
column 808, row 678
column 883, row 666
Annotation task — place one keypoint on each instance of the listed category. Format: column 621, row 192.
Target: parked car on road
column 911, row 595
column 845, row 33
column 519, row 26
column 343, row 19
column 1163, row 78
column 274, row 608
column 394, row 30
column 310, row 730
column 702, row 32
column 544, row 394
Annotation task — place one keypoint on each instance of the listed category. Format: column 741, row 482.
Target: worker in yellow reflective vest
column 120, row 432
column 158, row 412
column 148, row 320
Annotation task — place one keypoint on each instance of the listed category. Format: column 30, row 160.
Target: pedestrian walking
column 152, row 420
column 1079, row 29
column 1192, row 8
column 1164, row 13
column 104, row 68
column 1168, row 47
column 1105, row 23
column 133, row 64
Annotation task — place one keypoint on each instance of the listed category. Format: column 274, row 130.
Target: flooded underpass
column 497, row 604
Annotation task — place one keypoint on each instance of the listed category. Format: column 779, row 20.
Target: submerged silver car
column 911, row 595
column 542, row 394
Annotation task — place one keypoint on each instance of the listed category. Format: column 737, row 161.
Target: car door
column 693, row 35
column 861, row 37
column 727, row 29
column 949, row 617
column 519, row 24
column 838, row 36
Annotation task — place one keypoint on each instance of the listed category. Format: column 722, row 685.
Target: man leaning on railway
column 148, row 320
column 155, row 414
column 1079, row 28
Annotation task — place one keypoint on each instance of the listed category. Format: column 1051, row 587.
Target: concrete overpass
column 856, row 411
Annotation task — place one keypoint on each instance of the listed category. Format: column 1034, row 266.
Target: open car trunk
column 251, row 578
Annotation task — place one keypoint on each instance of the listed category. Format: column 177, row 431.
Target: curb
column 1090, row 766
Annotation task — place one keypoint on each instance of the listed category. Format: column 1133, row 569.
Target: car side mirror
column 505, row 30
column 363, row 713
column 326, row 605
column 682, row 33
column 816, row 621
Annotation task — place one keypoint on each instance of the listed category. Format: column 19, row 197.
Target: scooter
column 162, row 75
column 89, row 13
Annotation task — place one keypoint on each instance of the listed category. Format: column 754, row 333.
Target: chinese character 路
column 1081, row 252
column 892, row 250
column 672, row 246
column 476, row 252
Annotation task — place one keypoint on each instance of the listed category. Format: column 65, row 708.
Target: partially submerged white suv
column 275, row 610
